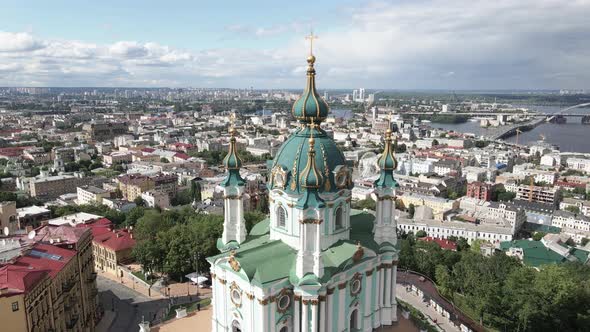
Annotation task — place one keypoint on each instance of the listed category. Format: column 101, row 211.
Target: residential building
column 105, row 131
column 54, row 186
column 493, row 212
column 578, row 164
column 117, row 157
column 30, row 217
column 132, row 185
column 573, row 221
column 582, row 205
column 156, row 198
column 440, row 206
column 91, row 195
column 479, row 190
column 548, row 195
column 37, row 155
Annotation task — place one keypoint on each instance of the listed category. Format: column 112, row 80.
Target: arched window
column 354, row 324
column 281, row 217
column 284, row 329
column 338, row 220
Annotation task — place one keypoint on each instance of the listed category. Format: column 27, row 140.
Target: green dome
column 292, row 159
column 388, row 164
column 310, row 106
column 232, row 163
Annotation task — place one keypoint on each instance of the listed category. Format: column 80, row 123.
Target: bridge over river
column 507, row 131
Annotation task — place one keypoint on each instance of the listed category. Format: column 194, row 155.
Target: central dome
column 291, row 161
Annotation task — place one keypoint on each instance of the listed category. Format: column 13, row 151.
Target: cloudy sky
column 412, row 44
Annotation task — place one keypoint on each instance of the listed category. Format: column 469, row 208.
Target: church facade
column 314, row 264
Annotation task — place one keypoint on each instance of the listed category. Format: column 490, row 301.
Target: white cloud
column 423, row 44
column 16, row 42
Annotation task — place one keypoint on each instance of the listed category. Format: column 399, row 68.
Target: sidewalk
column 133, row 285
column 107, row 320
column 417, row 302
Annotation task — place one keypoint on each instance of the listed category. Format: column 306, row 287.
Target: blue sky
column 426, row 44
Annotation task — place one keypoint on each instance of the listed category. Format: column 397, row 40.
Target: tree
column 368, row 204
column 133, row 215
column 421, row 233
column 435, row 142
column 573, row 209
column 538, row 236
column 139, row 201
column 252, row 218
column 195, row 191
column 411, row 210
column 164, row 160
column 444, row 280
column 181, row 198
column 584, row 241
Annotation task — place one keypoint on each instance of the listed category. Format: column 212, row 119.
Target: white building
column 91, row 195
column 156, row 198
column 579, row 164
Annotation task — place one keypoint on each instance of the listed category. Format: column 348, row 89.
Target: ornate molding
column 305, row 302
column 222, row 281
column 263, row 301
column 212, row 276
column 291, row 205
column 322, row 298
column 359, row 253
column 232, row 197
column 329, row 204
column 394, row 262
column 369, row 273
column 387, row 265
column 311, row 221
column 271, row 298
column 342, row 285
column 330, row 291
column 297, row 297
column 233, row 262
column 250, row 296
column 315, row 301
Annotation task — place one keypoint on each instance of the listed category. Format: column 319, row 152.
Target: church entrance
column 235, row 326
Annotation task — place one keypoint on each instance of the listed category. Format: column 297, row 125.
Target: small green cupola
column 310, row 106
column 311, row 179
column 232, row 162
column 387, row 163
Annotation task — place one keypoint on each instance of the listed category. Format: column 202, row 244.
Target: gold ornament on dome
column 359, row 253
column 279, row 177
column 233, row 262
column 355, row 284
column 235, row 294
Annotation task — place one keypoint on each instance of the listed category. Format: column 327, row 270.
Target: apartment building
column 548, row 195
column 91, row 195
column 37, row 155
column 578, row 164
column 479, row 190
column 582, row 205
column 54, row 186
column 117, row 157
column 132, row 185
column 156, row 198
column 105, row 131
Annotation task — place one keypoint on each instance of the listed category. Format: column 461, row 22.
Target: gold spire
column 310, row 176
column 232, row 128
column 311, row 38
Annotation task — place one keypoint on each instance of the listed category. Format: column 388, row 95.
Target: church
column 314, row 264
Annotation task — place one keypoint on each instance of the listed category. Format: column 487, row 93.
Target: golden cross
column 311, row 37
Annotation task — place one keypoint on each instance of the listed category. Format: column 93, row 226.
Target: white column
column 314, row 316
column 386, row 311
column 394, row 292
column 341, row 306
column 323, row 314
column 377, row 299
column 273, row 318
column 330, row 299
column 368, row 296
column 296, row 303
column 224, row 323
column 304, row 316
column 264, row 320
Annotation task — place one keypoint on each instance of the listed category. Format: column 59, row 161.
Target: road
column 130, row 306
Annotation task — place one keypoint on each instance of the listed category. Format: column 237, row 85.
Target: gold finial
column 312, row 126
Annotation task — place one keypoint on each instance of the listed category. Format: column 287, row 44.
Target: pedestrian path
column 417, row 302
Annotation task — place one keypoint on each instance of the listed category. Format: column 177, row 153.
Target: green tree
column 139, row 201
column 164, row 160
column 444, row 280
column 573, row 209
column 538, row 236
column 411, row 210
column 368, row 204
column 252, row 218
column 421, row 233
column 195, row 191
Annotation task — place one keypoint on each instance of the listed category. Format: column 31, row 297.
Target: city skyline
column 455, row 45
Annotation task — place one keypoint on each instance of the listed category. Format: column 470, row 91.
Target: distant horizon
column 586, row 91
column 452, row 45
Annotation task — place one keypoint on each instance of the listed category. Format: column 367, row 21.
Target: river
column 569, row 137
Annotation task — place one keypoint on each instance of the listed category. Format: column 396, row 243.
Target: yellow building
column 132, row 186
column 439, row 205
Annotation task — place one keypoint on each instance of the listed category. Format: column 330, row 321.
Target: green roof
column 535, row 252
column 310, row 106
column 264, row 261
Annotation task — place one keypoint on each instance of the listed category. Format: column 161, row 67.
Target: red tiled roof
column 13, row 151
column 182, row 156
column 116, row 240
column 444, row 244
column 149, row 150
column 60, row 257
column 65, row 233
column 98, row 226
column 16, row 279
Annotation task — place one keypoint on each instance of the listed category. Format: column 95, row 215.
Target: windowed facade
column 14, row 306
